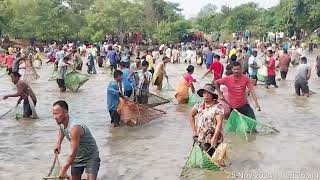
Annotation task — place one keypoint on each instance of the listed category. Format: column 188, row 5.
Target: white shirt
column 141, row 78
column 168, row 53
column 189, row 54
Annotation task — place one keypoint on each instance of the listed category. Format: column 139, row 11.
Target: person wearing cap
column 237, row 83
column 136, row 66
column 160, row 73
column 24, row 92
column 182, row 91
column 206, row 119
column 143, row 83
column 134, row 70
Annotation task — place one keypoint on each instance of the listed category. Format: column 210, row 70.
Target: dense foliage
column 288, row 15
column 159, row 19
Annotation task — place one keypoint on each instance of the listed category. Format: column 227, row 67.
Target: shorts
column 301, row 85
column 91, row 168
column 26, row 107
column 61, row 83
column 247, row 111
column 254, row 77
column 115, row 117
column 128, row 93
column 9, row 70
column 271, row 80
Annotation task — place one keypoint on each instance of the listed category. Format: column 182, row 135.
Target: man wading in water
column 237, row 83
column 84, row 151
column 23, row 91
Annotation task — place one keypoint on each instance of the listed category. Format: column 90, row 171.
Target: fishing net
column 30, row 75
column 148, row 99
column 53, row 75
column 74, row 80
column 3, row 71
column 194, row 99
column 15, row 112
column 133, row 114
column 242, row 125
column 168, row 87
column 55, row 170
column 199, row 159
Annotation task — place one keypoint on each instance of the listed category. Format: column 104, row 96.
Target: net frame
column 168, row 87
column 55, row 169
column 194, row 99
column 137, row 109
column 203, row 162
column 242, row 125
column 16, row 112
column 71, row 88
column 150, row 95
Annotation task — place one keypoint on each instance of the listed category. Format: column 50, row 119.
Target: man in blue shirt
column 113, row 98
column 112, row 56
column 126, row 79
column 209, row 58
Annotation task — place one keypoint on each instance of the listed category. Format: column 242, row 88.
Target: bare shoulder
column 22, row 84
column 77, row 130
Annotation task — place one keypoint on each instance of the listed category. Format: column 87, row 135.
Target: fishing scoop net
column 55, row 170
column 3, row 71
column 30, row 75
column 194, row 99
column 15, row 112
column 148, row 99
column 168, row 87
column 199, row 159
column 242, row 125
column 74, row 80
column 133, row 114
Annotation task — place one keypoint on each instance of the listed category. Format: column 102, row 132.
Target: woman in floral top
column 206, row 119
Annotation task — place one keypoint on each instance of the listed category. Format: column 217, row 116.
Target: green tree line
column 161, row 20
column 288, row 15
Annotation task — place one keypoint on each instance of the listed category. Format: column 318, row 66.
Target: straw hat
column 209, row 88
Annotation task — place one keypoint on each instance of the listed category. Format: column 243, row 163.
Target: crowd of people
column 135, row 70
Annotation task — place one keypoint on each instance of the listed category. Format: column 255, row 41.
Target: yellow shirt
column 232, row 52
column 149, row 59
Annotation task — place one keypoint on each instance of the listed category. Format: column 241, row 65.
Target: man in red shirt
column 284, row 63
column 8, row 60
column 237, row 83
column 216, row 68
column 271, row 65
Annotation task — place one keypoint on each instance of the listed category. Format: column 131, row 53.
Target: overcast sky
column 192, row 7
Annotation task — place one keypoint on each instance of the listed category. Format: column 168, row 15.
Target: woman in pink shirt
column 182, row 91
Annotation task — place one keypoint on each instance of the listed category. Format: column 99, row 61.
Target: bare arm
column 193, row 89
column 308, row 73
column 192, row 122
column 60, row 137
column 18, row 93
column 205, row 74
column 75, row 134
column 214, row 139
column 251, row 90
column 217, row 85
